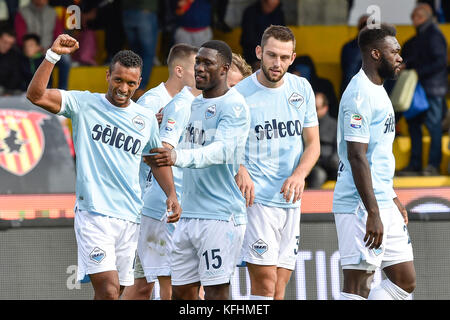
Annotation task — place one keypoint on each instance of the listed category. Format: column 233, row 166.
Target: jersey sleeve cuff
column 356, row 139
column 63, row 102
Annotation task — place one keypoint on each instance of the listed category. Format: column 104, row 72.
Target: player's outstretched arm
column 37, row 92
column 295, row 184
column 356, row 153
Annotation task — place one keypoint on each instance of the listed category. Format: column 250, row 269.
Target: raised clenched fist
column 65, row 44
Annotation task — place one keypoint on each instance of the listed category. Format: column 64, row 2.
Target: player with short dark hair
column 110, row 133
column 282, row 148
column 208, row 239
column 370, row 219
column 153, row 259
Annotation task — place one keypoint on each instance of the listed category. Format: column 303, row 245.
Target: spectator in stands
column 327, row 165
column 32, row 57
column 194, row 22
column 255, row 19
column 426, row 52
column 140, row 20
column 10, row 78
column 40, row 18
column 304, row 67
column 351, row 56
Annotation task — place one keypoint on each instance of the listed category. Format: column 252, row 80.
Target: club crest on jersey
column 139, row 123
column 355, row 121
column 210, row 112
column 260, row 247
column 97, row 255
column 170, row 124
column 296, row 100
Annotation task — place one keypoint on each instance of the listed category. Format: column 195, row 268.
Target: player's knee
column 407, row 283
column 219, row 292
column 108, row 292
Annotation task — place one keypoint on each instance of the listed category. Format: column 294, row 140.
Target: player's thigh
column 262, row 236
column 398, row 246
column 126, row 250
column 96, row 237
column 290, row 239
column 218, row 248
column 351, row 230
column 184, row 258
column 155, row 246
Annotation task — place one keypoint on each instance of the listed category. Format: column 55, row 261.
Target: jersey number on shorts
column 214, row 256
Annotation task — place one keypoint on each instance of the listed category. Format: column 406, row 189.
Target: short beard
column 386, row 70
column 267, row 74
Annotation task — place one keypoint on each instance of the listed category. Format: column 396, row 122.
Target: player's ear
column 179, row 71
column 294, row 55
column 258, row 52
column 375, row 54
column 108, row 74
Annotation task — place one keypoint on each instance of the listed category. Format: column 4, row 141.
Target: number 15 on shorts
column 213, row 256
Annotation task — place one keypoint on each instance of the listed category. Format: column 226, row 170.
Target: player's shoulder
column 247, row 85
column 153, row 96
column 297, row 82
column 141, row 110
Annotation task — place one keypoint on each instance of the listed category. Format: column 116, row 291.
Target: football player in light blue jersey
column 180, row 62
column 208, row 238
column 370, row 219
column 282, row 148
column 110, row 134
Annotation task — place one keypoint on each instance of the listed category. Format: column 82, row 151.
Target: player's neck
column 215, row 92
column 173, row 86
column 373, row 75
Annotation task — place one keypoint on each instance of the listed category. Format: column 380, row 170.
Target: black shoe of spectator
column 431, row 171
column 408, row 172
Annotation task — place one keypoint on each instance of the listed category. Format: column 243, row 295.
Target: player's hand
column 294, row 185
column 65, row 44
column 159, row 116
column 173, row 209
column 402, row 210
column 246, row 185
column 164, row 157
column 374, row 231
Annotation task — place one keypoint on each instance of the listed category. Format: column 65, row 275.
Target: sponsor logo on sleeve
column 356, row 121
column 170, row 125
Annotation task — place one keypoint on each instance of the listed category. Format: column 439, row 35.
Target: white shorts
column 395, row 248
column 154, row 247
column 105, row 244
column 205, row 250
column 272, row 236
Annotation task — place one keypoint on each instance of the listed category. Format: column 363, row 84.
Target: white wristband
column 52, row 57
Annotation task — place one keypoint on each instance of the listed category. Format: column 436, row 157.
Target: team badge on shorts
column 296, row 100
column 260, row 247
column 378, row 251
column 97, row 255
